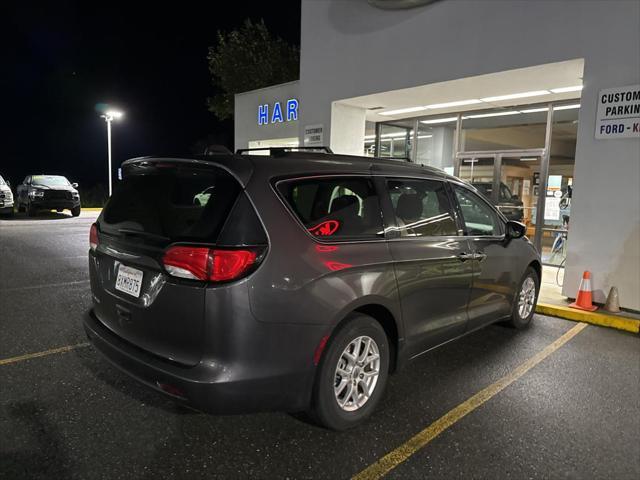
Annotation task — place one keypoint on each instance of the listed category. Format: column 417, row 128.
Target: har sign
column 278, row 113
column 618, row 113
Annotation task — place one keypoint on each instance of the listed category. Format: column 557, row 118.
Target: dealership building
column 537, row 103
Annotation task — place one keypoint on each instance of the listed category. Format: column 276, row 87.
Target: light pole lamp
column 110, row 116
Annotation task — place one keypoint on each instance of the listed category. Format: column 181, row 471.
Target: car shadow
column 44, row 215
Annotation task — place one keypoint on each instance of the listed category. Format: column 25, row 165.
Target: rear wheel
column 75, row 211
column 352, row 374
column 524, row 304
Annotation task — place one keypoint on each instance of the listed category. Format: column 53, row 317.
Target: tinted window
column 479, row 218
column 335, row 207
column 421, row 207
column 172, row 203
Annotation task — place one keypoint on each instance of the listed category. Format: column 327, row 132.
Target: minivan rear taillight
column 93, row 236
column 208, row 264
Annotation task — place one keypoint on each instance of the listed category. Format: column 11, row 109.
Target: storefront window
column 557, row 212
column 435, row 143
column 512, row 128
column 396, row 140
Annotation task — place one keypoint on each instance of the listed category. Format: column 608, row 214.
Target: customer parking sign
column 619, row 113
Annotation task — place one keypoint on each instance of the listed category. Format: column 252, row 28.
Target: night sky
column 148, row 59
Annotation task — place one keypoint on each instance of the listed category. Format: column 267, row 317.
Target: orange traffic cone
column 583, row 300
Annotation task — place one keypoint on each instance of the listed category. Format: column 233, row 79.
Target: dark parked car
column 302, row 281
column 6, row 198
column 509, row 204
column 47, row 192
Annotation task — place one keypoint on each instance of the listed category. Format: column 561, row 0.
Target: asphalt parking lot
column 559, row 400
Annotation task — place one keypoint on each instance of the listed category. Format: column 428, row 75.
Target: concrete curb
column 595, row 318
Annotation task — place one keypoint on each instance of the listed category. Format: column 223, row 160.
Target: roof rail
column 281, row 150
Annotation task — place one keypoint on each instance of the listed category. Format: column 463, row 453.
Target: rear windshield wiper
column 140, row 233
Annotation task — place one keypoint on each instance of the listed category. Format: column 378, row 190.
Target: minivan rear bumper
column 209, row 386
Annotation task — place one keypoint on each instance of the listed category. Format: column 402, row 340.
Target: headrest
column 345, row 204
column 409, row 206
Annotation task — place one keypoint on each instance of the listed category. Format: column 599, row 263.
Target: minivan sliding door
column 429, row 254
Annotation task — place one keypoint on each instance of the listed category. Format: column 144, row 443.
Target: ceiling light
column 529, row 159
column 535, row 110
column 495, row 114
column 402, row 110
column 534, row 93
column 567, row 107
column 439, row 120
column 458, row 103
column 425, row 136
column 575, row 88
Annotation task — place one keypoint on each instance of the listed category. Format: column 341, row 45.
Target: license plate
column 129, row 280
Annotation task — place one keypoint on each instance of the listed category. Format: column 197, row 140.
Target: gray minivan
column 300, row 282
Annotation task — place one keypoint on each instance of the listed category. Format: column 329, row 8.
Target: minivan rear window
column 335, row 208
column 170, row 202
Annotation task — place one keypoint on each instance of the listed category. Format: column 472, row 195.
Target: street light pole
column 109, row 150
column 109, row 117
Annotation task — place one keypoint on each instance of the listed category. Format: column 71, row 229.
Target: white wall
column 246, row 114
column 347, row 129
column 349, row 48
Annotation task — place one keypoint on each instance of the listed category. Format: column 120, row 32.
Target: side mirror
column 8, row 183
column 515, row 229
column 74, row 185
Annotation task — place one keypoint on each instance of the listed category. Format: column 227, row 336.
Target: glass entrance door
column 509, row 179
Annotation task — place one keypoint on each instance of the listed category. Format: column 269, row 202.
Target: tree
column 247, row 59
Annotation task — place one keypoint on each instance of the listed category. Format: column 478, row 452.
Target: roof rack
column 281, row 150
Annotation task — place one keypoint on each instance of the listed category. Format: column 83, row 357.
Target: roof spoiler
column 217, row 150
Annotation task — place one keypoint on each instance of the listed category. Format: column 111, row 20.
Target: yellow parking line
column 418, row 441
column 28, row 356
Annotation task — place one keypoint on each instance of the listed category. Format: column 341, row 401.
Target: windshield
column 2, row 182
column 50, row 181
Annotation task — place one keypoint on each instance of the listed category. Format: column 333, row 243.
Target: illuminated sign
column 326, row 228
column 278, row 113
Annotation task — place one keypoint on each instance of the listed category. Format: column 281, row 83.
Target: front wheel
column 31, row 211
column 524, row 304
column 75, row 211
column 352, row 374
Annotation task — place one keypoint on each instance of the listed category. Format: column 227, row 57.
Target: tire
column 354, row 333
column 75, row 211
column 521, row 315
column 31, row 212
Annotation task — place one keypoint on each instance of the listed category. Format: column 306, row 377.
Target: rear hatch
column 159, row 205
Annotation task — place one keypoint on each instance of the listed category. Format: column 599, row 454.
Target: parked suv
column 509, row 204
column 47, row 192
column 300, row 282
column 6, row 198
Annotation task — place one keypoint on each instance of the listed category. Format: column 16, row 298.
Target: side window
column 337, row 207
column 27, row 180
column 479, row 218
column 421, row 207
